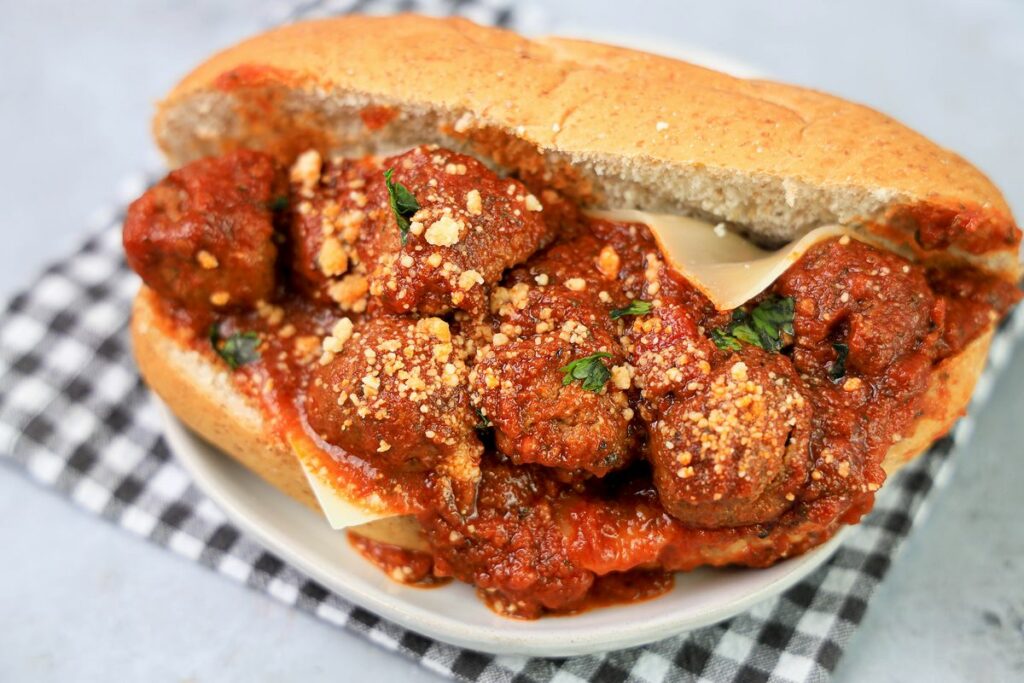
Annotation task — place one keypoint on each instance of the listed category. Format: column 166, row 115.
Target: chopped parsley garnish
column 764, row 326
column 484, row 422
column 724, row 340
column 837, row 369
column 635, row 308
column 279, row 203
column 403, row 203
column 236, row 350
column 591, row 370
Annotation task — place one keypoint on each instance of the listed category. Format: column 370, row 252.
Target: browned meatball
column 203, row 236
column 738, row 452
column 849, row 292
column 328, row 211
column 513, row 548
column 471, row 225
column 392, row 393
column 542, row 411
column 589, row 262
column 973, row 298
column 669, row 354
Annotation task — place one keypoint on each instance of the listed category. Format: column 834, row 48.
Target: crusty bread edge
column 558, row 104
column 200, row 393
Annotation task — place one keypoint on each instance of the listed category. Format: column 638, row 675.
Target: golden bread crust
column 774, row 159
column 200, row 394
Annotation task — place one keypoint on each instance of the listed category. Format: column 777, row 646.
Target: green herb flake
column 484, row 422
column 725, row 341
column 766, row 326
column 403, row 203
column 236, row 350
column 837, row 368
column 590, row 370
column 279, row 203
column 635, row 308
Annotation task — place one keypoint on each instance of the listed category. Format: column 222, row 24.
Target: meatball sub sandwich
column 552, row 317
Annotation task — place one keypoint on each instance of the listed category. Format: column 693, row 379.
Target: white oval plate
column 453, row 613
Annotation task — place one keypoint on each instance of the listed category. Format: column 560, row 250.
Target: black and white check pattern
column 75, row 416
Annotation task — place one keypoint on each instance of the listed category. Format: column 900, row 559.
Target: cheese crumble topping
column 474, row 203
column 306, row 170
column 206, row 260
column 444, row 232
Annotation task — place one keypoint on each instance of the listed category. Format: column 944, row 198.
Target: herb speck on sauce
column 837, row 369
column 636, row 308
column 592, row 372
column 237, row 349
column 766, row 326
column 403, row 203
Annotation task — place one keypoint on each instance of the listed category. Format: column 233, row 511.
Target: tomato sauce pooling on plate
column 568, row 419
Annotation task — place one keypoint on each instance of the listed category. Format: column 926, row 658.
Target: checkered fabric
column 75, row 416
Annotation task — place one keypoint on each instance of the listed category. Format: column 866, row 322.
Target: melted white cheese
column 340, row 511
column 728, row 269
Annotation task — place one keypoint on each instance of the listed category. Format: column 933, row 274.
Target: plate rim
column 193, row 453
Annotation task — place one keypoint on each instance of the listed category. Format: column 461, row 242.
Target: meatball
column 328, row 212
column 738, row 452
column 552, row 381
column 669, row 353
column 619, row 263
column 203, row 236
column 470, row 227
column 513, row 548
column 392, row 393
column 588, row 262
column 874, row 301
column 975, row 299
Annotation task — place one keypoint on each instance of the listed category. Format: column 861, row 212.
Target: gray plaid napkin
column 75, row 416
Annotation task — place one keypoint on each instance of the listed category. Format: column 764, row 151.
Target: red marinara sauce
column 409, row 567
column 567, row 418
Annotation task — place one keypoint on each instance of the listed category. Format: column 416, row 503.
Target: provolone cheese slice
column 340, row 511
column 728, row 269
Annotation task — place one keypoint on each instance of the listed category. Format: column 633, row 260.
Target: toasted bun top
column 610, row 126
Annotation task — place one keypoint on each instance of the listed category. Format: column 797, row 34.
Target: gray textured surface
column 82, row 600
